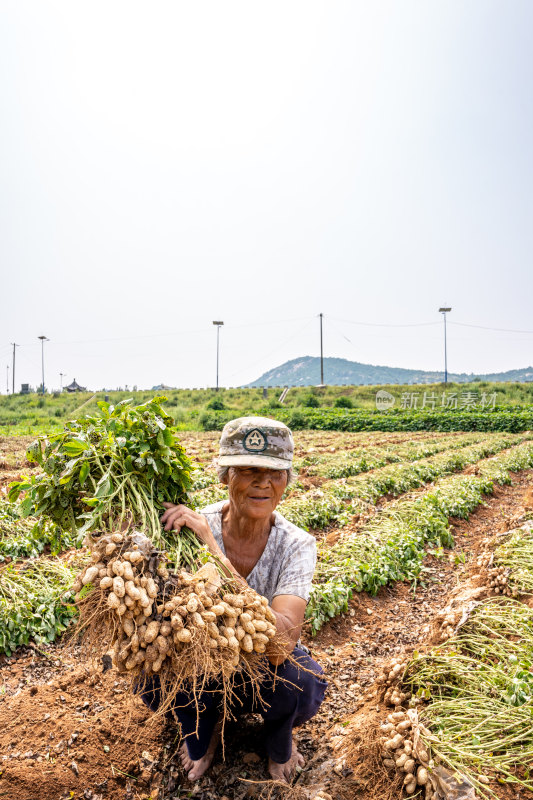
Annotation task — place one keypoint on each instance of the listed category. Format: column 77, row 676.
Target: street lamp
column 43, row 340
column 321, row 352
column 443, row 311
column 218, row 323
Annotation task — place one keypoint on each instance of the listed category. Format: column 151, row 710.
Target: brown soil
column 13, row 458
column 14, row 445
column 335, row 441
column 69, row 730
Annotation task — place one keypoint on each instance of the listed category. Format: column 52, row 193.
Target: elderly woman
column 260, row 547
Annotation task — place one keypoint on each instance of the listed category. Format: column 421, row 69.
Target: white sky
column 166, row 164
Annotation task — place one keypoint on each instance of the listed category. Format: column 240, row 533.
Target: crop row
column 359, row 457
column 35, row 602
column 338, row 445
column 391, row 546
column 511, row 418
column 338, row 501
column 21, row 537
column 354, row 462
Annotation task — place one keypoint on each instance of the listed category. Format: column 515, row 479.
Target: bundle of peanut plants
column 157, row 598
column 477, row 694
column 515, row 559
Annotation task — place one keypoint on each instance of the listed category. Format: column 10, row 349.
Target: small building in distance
column 74, row 387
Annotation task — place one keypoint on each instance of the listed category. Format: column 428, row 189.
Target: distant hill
column 305, row 371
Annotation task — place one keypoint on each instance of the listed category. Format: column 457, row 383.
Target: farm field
column 419, row 407
column 425, row 541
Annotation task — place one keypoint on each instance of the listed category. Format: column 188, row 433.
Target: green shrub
column 216, row 405
column 296, row 420
column 214, row 420
column 310, row 401
column 343, row 402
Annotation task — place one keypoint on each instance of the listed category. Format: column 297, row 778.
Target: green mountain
column 305, row 371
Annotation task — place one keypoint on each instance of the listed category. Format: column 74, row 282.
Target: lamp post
column 43, row 340
column 321, row 352
column 13, row 376
column 443, row 311
column 218, row 323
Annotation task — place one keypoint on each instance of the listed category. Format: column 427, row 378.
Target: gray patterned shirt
column 287, row 563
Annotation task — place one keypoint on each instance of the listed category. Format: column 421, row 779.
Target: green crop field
column 334, row 407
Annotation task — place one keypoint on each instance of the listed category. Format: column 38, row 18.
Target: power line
column 426, row 324
column 385, row 324
column 338, row 330
column 487, row 328
column 277, row 322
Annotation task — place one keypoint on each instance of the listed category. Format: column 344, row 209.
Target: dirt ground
column 69, row 729
column 13, row 458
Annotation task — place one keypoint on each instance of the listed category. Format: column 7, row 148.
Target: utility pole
column 321, row 353
column 218, row 323
column 43, row 340
column 443, row 311
column 13, row 375
column 7, row 378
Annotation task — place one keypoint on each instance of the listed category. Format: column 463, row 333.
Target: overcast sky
column 166, row 164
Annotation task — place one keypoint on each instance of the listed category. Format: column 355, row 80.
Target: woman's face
column 256, row 491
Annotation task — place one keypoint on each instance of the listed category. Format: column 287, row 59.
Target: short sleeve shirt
column 287, row 563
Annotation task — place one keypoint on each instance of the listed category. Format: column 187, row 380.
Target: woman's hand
column 178, row 516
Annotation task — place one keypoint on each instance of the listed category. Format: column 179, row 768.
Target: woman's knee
column 298, row 686
column 300, row 670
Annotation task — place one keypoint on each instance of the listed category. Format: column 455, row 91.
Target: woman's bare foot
column 195, row 769
column 284, row 772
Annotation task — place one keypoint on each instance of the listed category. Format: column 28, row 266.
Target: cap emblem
column 254, row 441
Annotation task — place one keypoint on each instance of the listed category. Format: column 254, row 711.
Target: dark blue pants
column 287, row 703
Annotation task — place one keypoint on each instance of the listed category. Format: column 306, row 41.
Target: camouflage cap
column 256, row 442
